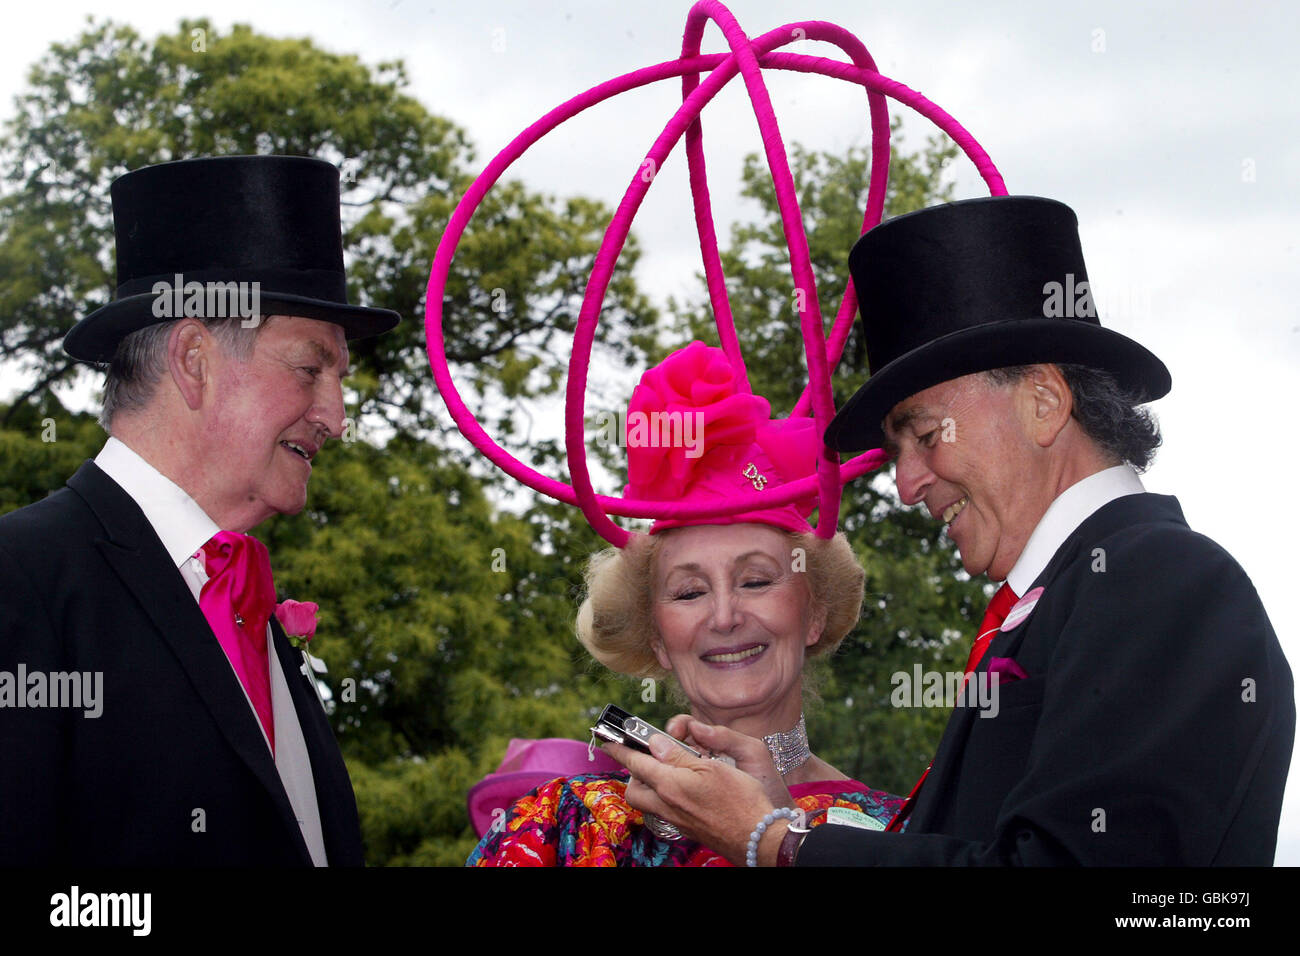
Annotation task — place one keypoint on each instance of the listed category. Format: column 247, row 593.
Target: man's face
column 270, row 415
column 963, row 451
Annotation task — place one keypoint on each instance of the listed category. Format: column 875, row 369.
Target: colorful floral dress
column 586, row 821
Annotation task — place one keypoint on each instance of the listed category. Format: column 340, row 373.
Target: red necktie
column 1003, row 600
column 238, row 600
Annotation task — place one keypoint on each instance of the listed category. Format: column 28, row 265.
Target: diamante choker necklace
column 789, row 750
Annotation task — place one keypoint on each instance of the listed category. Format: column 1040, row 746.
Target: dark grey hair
column 138, row 365
column 1108, row 414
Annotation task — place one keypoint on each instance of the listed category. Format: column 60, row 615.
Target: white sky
column 1175, row 144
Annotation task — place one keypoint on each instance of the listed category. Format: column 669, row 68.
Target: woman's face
column 733, row 618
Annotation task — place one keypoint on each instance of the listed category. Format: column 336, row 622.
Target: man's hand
column 710, row 802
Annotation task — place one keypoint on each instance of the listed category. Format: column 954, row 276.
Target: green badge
column 843, row 816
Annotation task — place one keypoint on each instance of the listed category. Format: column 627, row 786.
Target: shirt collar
column 1071, row 508
column 181, row 525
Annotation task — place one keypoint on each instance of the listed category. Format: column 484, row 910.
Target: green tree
column 42, row 444
column 110, row 101
column 446, row 626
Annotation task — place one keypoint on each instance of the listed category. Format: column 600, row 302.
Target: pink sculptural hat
column 752, row 467
column 749, row 466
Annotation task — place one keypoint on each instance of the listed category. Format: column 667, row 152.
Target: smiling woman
column 639, row 598
column 731, row 608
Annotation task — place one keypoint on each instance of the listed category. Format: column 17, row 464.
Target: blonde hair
column 616, row 626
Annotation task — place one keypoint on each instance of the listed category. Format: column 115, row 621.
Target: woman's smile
column 736, row 656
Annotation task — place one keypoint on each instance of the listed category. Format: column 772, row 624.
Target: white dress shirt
column 184, row 527
column 1071, row 508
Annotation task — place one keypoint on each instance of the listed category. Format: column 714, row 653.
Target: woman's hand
column 710, row 801
column 750, row 754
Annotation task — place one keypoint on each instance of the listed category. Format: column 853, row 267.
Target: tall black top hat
column 971, row 286
column 273, row 220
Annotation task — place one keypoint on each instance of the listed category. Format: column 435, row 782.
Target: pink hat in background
column 527, row 765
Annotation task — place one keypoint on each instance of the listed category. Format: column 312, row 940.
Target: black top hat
column 270, row 220
column 971, row 286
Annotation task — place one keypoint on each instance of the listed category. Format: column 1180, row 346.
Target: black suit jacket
column 175, row 770
column 1154, row 726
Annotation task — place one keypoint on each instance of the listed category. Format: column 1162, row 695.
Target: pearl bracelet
column 751, row 849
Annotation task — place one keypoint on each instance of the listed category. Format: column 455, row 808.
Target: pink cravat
column 238, row 600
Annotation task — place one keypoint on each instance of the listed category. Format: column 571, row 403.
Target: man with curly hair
column 1145, row 712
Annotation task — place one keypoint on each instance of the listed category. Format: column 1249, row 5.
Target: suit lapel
column 334, row 797
column 934, row 791
column 953, row 743
column 1116, row 514
column 134, row 552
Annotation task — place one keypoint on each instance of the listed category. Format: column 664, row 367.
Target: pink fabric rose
column 695, row 435
column 698, row 382
column 298, row 618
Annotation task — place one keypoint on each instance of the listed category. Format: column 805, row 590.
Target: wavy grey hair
column 1108, row 414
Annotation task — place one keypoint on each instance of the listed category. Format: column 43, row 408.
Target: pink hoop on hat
column 748, row 58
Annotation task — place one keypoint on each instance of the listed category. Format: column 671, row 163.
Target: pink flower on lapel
column 298, row 618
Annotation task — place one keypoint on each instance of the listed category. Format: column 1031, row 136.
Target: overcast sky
column 1170, row 129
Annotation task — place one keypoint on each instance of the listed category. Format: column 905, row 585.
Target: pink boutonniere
column 298, row 618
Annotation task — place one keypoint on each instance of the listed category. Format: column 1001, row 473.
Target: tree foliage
column 110, row 101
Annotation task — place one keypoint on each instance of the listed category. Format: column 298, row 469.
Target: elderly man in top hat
column 197, row 737
column 1144, row 710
